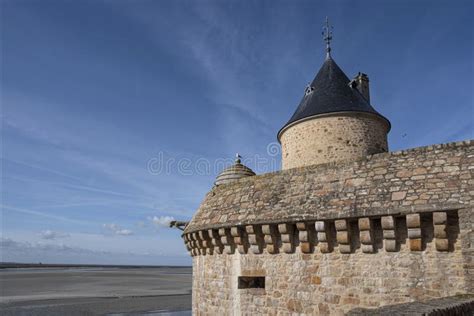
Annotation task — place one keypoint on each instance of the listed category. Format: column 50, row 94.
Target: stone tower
column 353, row 237
column 334, row 121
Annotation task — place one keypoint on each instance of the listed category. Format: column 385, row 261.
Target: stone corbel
column 343, row 235
column 305, row 236
column 206, row 242
column 227, row 240
column 286, row 232
column 440, row 221
column 216, row 241
column 414, row 231
column 199, row 243
column 323, row 236
column 270, row 238
column 239, row 239
column 389, row 236
column 366, row 235
column 255, row 236
column 187, row 242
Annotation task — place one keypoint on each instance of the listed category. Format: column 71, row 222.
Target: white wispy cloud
column 117, row 229
column 5, row 207
column 51, row 235
column 161, row 221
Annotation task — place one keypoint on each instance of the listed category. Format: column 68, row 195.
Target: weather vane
column 327, row 33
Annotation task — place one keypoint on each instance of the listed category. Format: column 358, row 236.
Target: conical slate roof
column 328, row 93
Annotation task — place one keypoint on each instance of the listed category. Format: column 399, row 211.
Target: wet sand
column 95, row 291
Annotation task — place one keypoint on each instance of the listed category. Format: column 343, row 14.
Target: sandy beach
column 95, row 291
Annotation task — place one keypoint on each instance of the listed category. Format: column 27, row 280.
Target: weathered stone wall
column 390, row 228
column 335, row 137
column 432, row 178
column 334, row 282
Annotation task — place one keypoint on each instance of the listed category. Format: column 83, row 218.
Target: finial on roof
column 327, row 33
column 237, row 158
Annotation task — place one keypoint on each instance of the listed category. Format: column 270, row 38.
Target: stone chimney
column 361, row 83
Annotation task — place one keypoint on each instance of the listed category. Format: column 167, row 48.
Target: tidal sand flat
column 95, row 291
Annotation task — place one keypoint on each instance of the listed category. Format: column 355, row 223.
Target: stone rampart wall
column 433, row 178
column 391, row 228
column 368, row 264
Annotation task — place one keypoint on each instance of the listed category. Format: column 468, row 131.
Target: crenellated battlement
column 327, row 239
column 355, row 234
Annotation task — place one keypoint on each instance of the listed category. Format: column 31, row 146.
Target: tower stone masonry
column 346, row 227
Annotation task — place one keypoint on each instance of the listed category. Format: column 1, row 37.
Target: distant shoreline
column 12, row 265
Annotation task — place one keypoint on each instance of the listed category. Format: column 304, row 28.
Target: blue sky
column 117, row 115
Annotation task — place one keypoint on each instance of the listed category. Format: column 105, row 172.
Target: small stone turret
column 234, row 172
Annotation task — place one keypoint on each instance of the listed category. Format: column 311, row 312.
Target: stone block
column 228, row 249
column 324, row 247
column 305, row 247
column 320, row 226
column 322, row 237
column 267, row 229
column 315, row 279
column 440, row 231
column 415, row 244
column 203, row 235
column 389, row 234
column 303, row 235
column 268, row 239
column 252, row 239
column 226, row 240
column 341, row 224
column 255, row 249
column 367, row 248
column 388, row 222
column 442, row 244
column 440, row 218
column 235, row 231
column 301, row 226
column 413, row 220
column 286, row 238
column 287, row 248
column 397, row 196
column 271, row 248
column 365, row 237
column 250, row 229
column 364, row 223
column 285, row 228
column 414, row 233
column 345, row 249
column 241, row 249
column 238, row 240
column 390, row 245
column 342, row 237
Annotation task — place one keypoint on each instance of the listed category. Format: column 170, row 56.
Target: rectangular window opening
column 248, row 282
